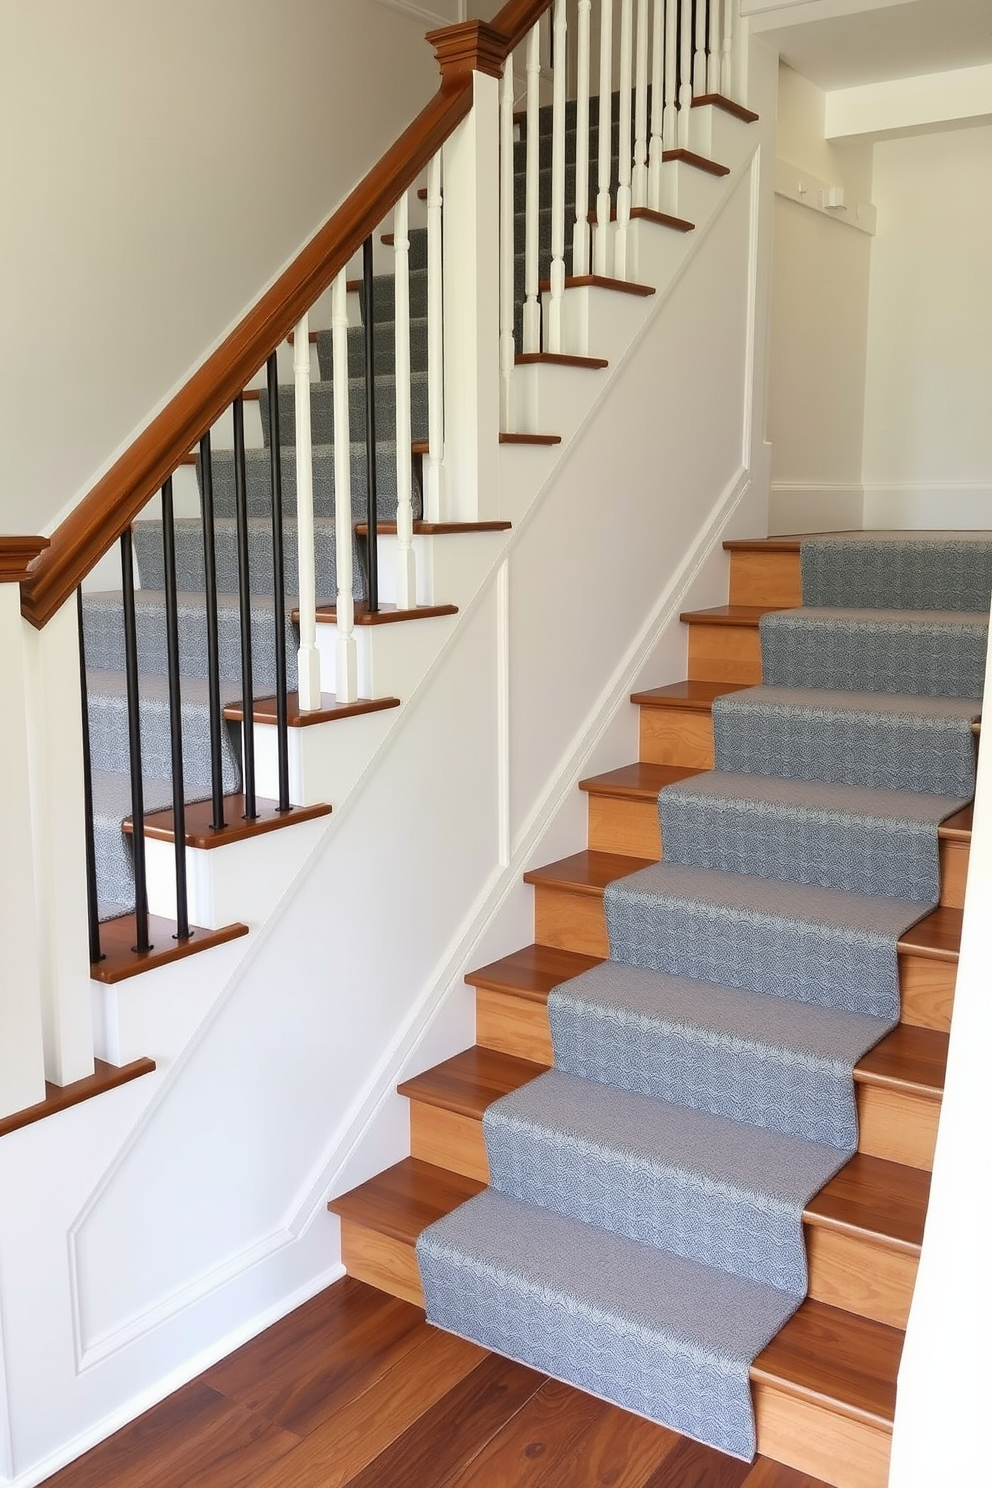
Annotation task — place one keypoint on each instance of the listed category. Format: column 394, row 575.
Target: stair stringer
column 199, row 1215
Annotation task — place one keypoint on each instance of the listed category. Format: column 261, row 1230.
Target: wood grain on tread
column 728, row 106
column 584, row 872
column 200, row 833
column 530, row 439
column 559, row 359
column 640, row 781
column 121, row 961
column 834, row 1358
column 470, row 1081
column 330, row 710
column 869, row 1196
column 531, row 972
column 695, row 697
column 698, row 162
column 405, row 1199
column 600, row 281
column 384, row 615
column 61, row 1097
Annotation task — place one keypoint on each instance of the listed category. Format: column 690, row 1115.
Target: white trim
column 815, row 508
column 966, row 504
column 826, row 197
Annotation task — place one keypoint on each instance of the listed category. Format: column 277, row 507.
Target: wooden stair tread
column 586, row 872
column 547, row 439
column 531, row 972
column 640, row 781
column 559, row 359
column 62, row 1097
column 405, row 1199
column 937, row 935
column 746, row 616
column 121, row 961
column 434, row 529
column 330, row 710
column 871, row 1197
column 470, row 1081
column 957, row 828
column 698, row 162
column 600, row 281
column 386, row 614
column 695, row 696
column 909, row 1059
column 762, row 544
column 720, row 101
column 835, row 1359
column 160, row 825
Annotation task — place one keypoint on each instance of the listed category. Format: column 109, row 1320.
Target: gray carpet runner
column 642, row 1233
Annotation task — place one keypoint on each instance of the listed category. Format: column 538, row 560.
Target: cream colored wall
column 160, row 162
column 928, row 393
column 820, row 282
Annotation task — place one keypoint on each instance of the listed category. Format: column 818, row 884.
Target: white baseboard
column 952, row 505
column 809, row 508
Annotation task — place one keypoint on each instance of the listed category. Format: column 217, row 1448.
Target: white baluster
column 507, row 345
column 532, row 188
column 670, row 130
column 434, row 501
column 713, row 49
column 406, row 574
column 308, row 657
column 685, row 74
column 580, row 232
column 346, row 670
column 657, row 105
column 699, row 58
column 626, row 145
column 639, row 180
column 601, row 242
column 727, row 80
column 557, row 182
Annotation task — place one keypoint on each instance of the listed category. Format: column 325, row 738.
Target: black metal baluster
column 175, row 710
column 213, row 643
column 279, row 584
column 372, row 506
column 244, row 606
column 134, row 746
column 92, row 905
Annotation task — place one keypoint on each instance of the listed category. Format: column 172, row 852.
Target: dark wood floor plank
column 563, row 1438
column 356, row 1434
column 691, row 1465
column 194, row 1439
column 319, row 1359
column 447, row 1438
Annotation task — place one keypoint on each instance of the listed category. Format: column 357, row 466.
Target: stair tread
column 696, row 696
column 835, row 1359
column 871, row 1196
column 937, row 935
column 405, row 1199
column 909, row 1059
column 744, row 616
column 532, row 971
column 586, row 872
column 957, row 828
column 470, row 1081
column 639, row 781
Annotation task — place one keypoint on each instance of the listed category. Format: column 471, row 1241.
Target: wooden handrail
column 111, row 506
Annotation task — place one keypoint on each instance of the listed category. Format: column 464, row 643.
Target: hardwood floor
column 356, row 1390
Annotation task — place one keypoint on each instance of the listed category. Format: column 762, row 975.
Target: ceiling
column 896, row 41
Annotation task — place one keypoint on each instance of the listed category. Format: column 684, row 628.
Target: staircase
column 824, row 1387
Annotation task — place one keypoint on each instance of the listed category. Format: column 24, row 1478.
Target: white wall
column 928, row 393
column 818, row 328
column 945, row 1377
column 160, row 162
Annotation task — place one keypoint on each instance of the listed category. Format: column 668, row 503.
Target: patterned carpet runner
column 641, row 1236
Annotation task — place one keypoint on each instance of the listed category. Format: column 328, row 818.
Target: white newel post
column 471, row 278
column 45, row 990
column 22, row 1069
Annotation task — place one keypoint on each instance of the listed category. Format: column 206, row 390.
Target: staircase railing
column 492, row 299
